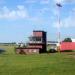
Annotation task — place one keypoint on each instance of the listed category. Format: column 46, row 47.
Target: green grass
column 40, row 64
column 8, row 49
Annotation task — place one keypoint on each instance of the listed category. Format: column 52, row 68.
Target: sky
column 18, row 18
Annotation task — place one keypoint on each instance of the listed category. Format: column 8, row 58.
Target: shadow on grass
column 67, row 51
column 2, row 51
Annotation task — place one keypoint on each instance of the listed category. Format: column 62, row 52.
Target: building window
column 38, row 39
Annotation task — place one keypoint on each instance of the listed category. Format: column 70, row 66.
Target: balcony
column 35, row 41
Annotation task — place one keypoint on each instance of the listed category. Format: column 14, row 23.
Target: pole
column 59, row 6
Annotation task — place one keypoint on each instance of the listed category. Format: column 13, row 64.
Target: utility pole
column 59, row 24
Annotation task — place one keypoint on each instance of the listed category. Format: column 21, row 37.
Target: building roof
column 73, row 40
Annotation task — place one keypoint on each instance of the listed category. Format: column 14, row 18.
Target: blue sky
column 18, row 18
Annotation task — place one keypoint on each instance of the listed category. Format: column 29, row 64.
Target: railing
column 35, row 41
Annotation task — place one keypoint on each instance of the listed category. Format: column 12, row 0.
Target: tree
column 67, row 40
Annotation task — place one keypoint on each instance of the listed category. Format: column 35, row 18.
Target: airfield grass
column 8, row 49
column 37, row 64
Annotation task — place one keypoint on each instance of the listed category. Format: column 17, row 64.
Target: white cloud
column 21, row 7
column 20, row 12
column 70, row 20
column 67, row 22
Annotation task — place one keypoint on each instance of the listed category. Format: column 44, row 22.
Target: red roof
column 67, row 46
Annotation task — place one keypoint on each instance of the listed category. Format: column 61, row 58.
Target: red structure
column 36, row 44
column 67, row 46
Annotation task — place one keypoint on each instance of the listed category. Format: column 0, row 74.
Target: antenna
column 59, row 6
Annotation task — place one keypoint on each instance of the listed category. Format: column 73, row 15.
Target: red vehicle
column 67, row 46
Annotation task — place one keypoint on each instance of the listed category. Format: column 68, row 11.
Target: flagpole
column 59, row 6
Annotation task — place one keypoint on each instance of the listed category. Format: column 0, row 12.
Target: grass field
column 8, row 49
column 40, row 64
